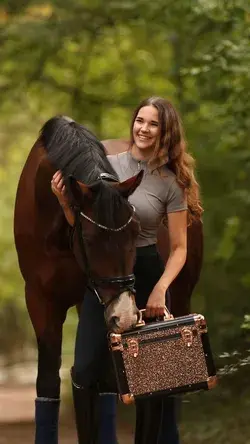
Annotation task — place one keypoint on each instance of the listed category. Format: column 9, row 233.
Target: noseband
column 120, row 283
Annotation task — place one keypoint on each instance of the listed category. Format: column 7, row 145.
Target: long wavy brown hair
column 171, row 149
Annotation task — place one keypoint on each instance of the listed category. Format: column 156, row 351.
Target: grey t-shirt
column 157, row 195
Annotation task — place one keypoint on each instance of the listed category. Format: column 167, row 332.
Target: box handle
column 167, row 315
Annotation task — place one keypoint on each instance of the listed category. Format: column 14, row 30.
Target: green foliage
column 215, row 417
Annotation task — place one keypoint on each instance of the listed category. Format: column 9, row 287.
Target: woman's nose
column 145, row 127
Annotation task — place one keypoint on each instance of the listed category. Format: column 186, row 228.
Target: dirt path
column 17, row 419
column 23, row 433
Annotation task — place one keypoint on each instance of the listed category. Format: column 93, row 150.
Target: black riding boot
column 156, row 421
column 86, row 414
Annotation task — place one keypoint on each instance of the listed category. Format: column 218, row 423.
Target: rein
column 122, row 283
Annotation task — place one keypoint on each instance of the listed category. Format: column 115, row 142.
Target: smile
column 143, row 137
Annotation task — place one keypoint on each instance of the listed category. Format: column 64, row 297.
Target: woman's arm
column 59, row 190
column 177, row 227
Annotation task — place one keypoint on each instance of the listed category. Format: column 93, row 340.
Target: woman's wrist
column 64, row 205
column 162, row 284
column 68, row 212
column 63, row 202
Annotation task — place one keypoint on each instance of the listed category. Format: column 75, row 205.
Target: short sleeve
column 175, row 200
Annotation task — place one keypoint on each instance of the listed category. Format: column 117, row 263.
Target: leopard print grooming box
column 164, row 357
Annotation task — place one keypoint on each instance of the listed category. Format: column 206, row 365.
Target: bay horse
column 58, row 265
column 54, row 279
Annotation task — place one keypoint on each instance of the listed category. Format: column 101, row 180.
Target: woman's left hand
column 156, row 302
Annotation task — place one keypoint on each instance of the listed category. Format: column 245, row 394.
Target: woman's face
column 146, row 128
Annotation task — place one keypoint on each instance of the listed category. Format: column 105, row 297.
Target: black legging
column 93, row 366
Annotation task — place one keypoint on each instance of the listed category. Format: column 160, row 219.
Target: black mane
column 73, row 149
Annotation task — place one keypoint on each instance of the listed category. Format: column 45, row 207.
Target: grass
column 218, row 417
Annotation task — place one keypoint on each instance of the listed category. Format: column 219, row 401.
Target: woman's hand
column 58, row 188
column 156, row 302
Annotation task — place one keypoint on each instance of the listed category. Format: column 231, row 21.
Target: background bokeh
column 95, row 60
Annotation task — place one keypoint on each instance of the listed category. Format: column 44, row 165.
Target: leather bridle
column 121, row 283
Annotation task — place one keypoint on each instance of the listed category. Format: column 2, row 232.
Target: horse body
column 54, row 280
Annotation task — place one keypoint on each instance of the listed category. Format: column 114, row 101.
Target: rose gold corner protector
column 115, row 337
column 128, row 398
column 116, row 341
column 200, row 323
column 212, row 382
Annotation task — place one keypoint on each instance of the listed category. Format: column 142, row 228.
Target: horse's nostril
column 114, row 320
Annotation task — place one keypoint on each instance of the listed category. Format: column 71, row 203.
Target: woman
column 169, row 194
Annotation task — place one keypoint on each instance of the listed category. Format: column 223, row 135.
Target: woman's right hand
column 58, row 188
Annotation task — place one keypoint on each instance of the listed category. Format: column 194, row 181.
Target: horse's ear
column 76, row 191
column 127, row 187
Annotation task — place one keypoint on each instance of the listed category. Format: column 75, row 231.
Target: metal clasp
column 133, row 347
column 187, row 336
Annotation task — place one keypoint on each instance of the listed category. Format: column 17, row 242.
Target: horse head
column 104, row 244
